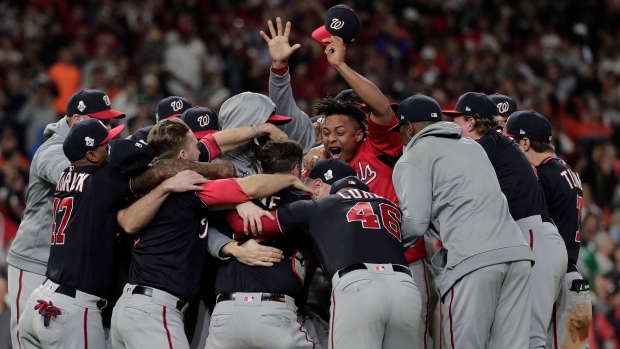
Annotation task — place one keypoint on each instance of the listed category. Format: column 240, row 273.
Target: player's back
column 353, row 227
column 562, row 188
column 516, row 176
column 169, row 252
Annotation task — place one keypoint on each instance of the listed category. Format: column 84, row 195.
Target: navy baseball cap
column 505, row 105
column 93, row 103
column 417, row 108
column 348, row 182
column 472, row 103
column 340, row 21
column 331, row 170
column 202, row 121
column 530, row 124
column 346, row 95
column 170, row 107
column 142, row 134
column 318, row 118
column 86, row 136
column 130, row 156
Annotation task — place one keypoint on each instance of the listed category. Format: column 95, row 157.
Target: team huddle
column 301, row 232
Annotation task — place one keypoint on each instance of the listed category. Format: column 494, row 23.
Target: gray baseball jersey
column 30, row 250
column 449, row 180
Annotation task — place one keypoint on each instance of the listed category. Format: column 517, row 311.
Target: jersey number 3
column 390, row 216
column 61, row 207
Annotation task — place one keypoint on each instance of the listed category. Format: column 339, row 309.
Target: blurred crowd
column 561, row 58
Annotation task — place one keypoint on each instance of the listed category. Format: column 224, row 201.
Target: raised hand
column 335, row 50
column 279, row 47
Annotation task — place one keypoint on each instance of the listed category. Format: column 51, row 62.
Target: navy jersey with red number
column 84, row 227
column 516, row 176
column 286, row 276
column 169, row 252
column 347, row 228
column 562, row 188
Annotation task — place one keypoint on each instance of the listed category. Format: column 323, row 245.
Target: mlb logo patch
column 379, row 267
column 248, row 298
column 48, row 287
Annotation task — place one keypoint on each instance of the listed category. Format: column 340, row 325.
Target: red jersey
column 374, row 162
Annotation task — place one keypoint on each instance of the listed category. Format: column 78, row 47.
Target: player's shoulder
column 553, row 166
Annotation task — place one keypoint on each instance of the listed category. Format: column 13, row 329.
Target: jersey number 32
column 62, row 212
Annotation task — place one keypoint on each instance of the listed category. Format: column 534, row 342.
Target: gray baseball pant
column 573, row 314
column 152, row 322
column 251, row 323
column 548, row 274
column 21, row 285
column 79, row 325
column 428, row 336
column 374, row 308
column 489, row 305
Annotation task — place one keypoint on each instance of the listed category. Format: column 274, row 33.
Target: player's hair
column 281, row 156
column 168, row 137
column 539, row 147
column 482, row 125
column 330, row 106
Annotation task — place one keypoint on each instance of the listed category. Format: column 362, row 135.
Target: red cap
column 279, row 119
column 113, row 133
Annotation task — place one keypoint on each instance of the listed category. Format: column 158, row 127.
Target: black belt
column 71, row 292
column 147, row 291
column 274, row 297
column 397, row 267
column 547, row 219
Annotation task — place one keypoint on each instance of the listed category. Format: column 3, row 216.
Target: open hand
column 279, row 47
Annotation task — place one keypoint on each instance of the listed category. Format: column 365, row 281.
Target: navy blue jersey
column 205, row 155
column 84, row 227
column 347, row 228
column 170, row 251
column 286, row 276
column 516, row 176
column 562, row 188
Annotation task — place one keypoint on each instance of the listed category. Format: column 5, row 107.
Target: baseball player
column 169, row 251
column 171, row 107
column 357, row 239
column 362, row 141
column 29, row 252
column 445, row 182
column 562, row 188
column 475, row 113
column 276, row 292
column 84, row 226
column 505, row 105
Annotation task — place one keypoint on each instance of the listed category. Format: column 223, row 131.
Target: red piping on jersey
column 427, row 302
column 293, row 259
column 531, row 240
column 19, row 293
column 163, row 314
column 544, row 161
column 85, row 328
column 555, row 328
column 333, row 319
column 301, row 329
column 451, row 330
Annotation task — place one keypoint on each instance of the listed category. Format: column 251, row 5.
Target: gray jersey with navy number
column 449, row 179
column 31, row 247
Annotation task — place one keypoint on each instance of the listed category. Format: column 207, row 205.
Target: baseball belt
column 70, row 292
column 147, row 291
column 274, row 297
column 361, row 266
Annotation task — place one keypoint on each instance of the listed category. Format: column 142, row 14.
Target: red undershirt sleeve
column 212, row 146
column 222, row 192
column 280, row 72
column 271, row 228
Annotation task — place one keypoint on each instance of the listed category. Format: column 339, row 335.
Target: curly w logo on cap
column 340, row 21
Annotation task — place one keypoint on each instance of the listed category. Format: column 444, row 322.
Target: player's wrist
column 279, row 67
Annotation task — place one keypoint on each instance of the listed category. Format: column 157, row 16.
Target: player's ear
column 316, row 187
column 359, row 135
column 182, row 154
column 296, row 171
column 526, row 144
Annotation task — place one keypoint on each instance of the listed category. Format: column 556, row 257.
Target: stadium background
column 561, row 58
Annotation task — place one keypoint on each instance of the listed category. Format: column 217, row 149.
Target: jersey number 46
column 64, row 208
column 390, row 217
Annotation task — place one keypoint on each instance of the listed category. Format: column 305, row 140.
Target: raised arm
column 262, row 185
column 280, row 91
column 134, row 218
column 380, row 111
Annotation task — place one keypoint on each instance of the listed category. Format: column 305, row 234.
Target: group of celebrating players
column 298, row 234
